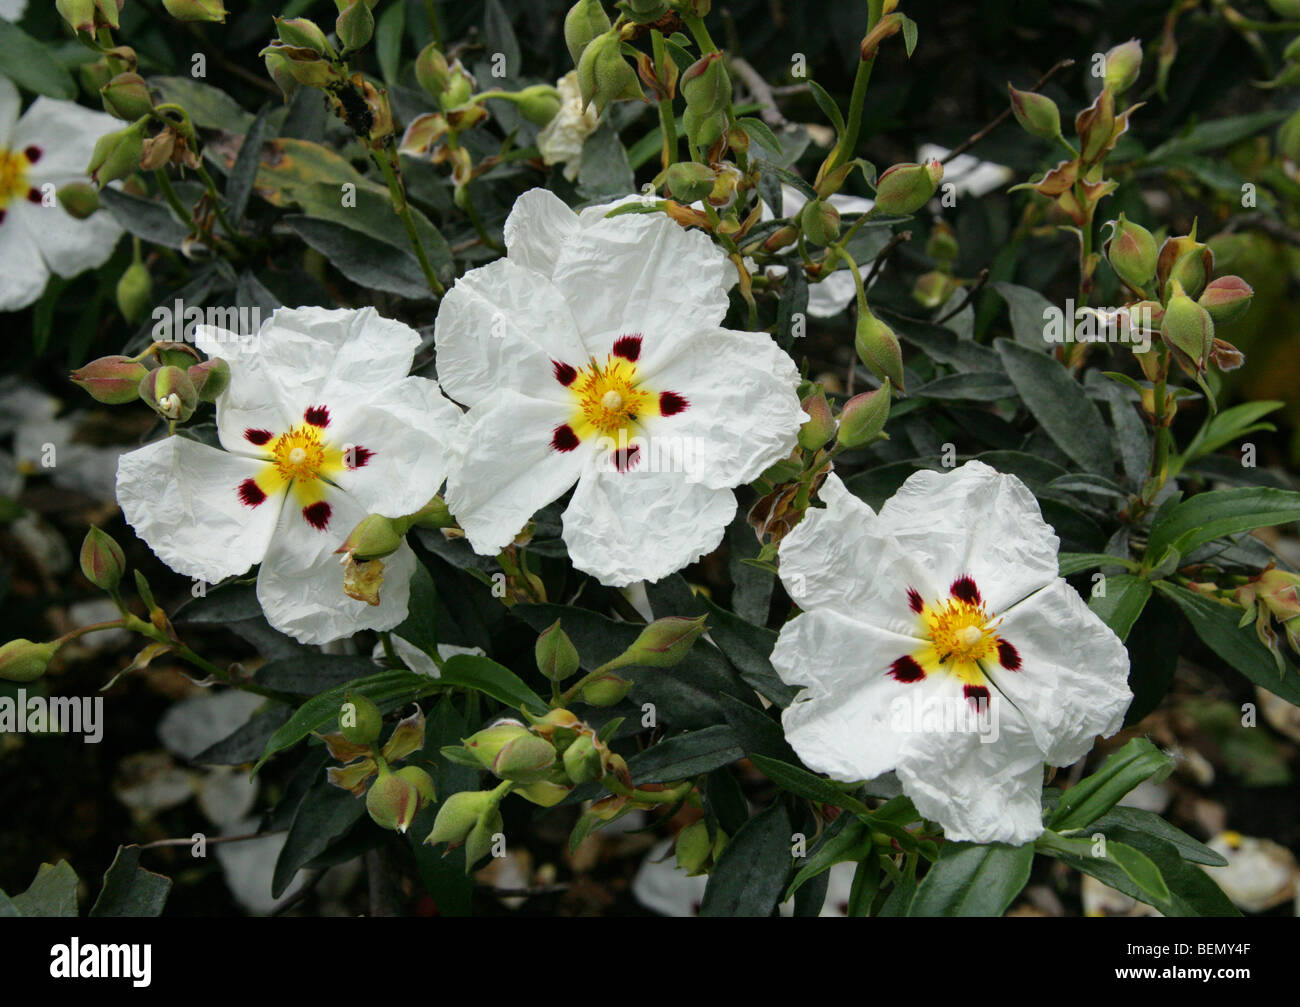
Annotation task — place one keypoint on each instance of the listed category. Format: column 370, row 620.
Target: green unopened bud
column 1186, row 260
column 932, row 290
column 820, row 426
column 458, row 815
column 170, row 393
column 524, row 759
column 538, row 104
column 303, row 33
column 80, row 14
column 905, row 188
column 605, row 691
column 278, row 67
column 432, row 71
column 356, row 25
column 24, row 661
column 695, row 850
column 102, row 559
column 704, row 130
column 421, row 781
column 543, row 793
column 1096, row 126
column 359, row 719
column 878, row 348
column 126, row 96
column 1132, row 253
column 434, row 514
column 689, row 181
column 175, row 354
column 582, row 761
column 1188, row 328
column 557, row 658
column 706, row 85
column 79, row 199
column 942, row 243
column 1226, row 298
column 460, row 87
column 112, row 380
column 663, row 643
column 211, row 378
column 374, row 538
column 116, row 155
column 820, row 222
column 604, row 75
column 482, row 837
column 1037, row 114
column 1123, row 64
column 863, row 417
column 392, row 801
column 586, row 20
column 196, row 10
column 134, row 292
column 485, row 744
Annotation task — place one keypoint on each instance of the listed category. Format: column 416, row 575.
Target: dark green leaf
column 130, row 890
column 1122, row 603
column 749, row 877
column 29, row 64
column 973, row 880
column 1095, row 795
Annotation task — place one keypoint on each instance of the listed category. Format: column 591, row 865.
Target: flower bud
column 878, row 348
column 196, row 10
column 1186, row 260
column 1123, row 64
column 690, row 180
column 80, row 14
column 374, row 538
column 663, row 643
column 79, row 199
column 116, row 155
column 932, row 290
column 1279, row 592
column 905, row 188
column 170, row 393
column 1096, row 127
column 605, row 691
column 695, row 850
column 586, row 19
column 134, row 292
column 820, row 222
column 102, row 559
column 421, row 781
column 485, row 744
column 356, row 25
column 820, row 426
column 582, row 761
column 1226, row 298
column 460, row 86
column 706, row 85
column 538, row 104
column 863, row 417
column 525, row 759
column 604, row 75
column 24, row 661
column 278, row 69
column 1131, row 252
column 478, row 844
column 1037, row 114
column 127, row 97
column 303, row 33
column 432, row 71
column 557, row 658
column 543, row 793
column 112, row 380
column 392, row 800
column 1188, row 328
column 942, row 243
column 360, row 720
column 703, row 130
column 458, row 815
column 211, row 378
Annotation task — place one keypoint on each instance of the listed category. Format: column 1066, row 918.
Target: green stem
column 669, row 796
column 431, row 8
column 222, row 217
column 667, row 122
column 389, row 166
column 700, row 32
column 849, row 141
column 471, row 211
column 173, row 200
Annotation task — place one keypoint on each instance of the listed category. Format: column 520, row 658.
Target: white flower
column 938, row 640
column 417, row 660
column 44, row 150
column 833, row 294
column 560, row 140
column 593, row 355
column 321, row 425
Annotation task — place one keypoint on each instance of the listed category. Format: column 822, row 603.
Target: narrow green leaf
column 1125, row 598
column 971, row 879
column 1095, row 795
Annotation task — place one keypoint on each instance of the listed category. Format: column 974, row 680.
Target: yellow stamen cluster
column 13, row 175
column 961, row 632
column 299, row 454
column 608, row 398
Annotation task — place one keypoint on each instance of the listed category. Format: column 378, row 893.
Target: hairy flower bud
column 1186, row 260
column 820, row 221
column 25, row 661
column 79, row 199
column 116, row 155
column 585, row 20
column 1123, row 64
column 706, row 85
column 663, row 643
column 356, row 25
column 1226, row 298
column 878, row 348
column 102, row 559
column 863, row 417
column 421, row 781
column 134, row 292
column 1131, row 252
column 695, row 850
column 126, row 96
column 392, row 800
column 582, row 761
column 211, row 378
column 604, row 75
column 487, row 743
column 557, row 658
column 170, row 393
column 1188, row 329
column 905, row 188
column 524, row 759
column 1036, row 113
column 112, row 380
column 478, row 844
column 374, row 537
column 703, row 130
column 543, row 793
column 538, row 104
column 605, row 691
column 820, row 426
column 196, row 10
column 689, row 181
column 458, row 815
column 359, row 719
column 303, row 33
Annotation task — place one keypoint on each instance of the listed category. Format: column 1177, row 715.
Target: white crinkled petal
column 841, row 557
column 539, row 225
column 1072, row 684
column 300, row 585
column 743, row 412
column 409, row 431
column 66, row 133
column 842, row 722
column 182, row 499
column 641, row 273
column 68, row 246
column 23, row 276
column 976, row 521
column 254, row 399
column 982, row 786
column 504, row 467
column 504, row 326
column 622, row 527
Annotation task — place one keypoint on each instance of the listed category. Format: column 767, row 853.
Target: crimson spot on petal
column 914, row 600
column 317, row 515
column 905, row 669
column 564, row 439
column 964, row 589
column 317, row 416
column 357, row 457
column 978, row 696
column 250, row 493
column 34, row 195
column 670, row 403
column 564, row 373
column 33, row 154
column 258, row 437
column 628, row 347
column 625, row 459
column 2, row 216
column 1008, row 656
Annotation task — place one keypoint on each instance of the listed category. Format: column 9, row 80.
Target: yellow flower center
column 299, row 454
column 13, row 175
column 960, row 631
column 608, row 398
